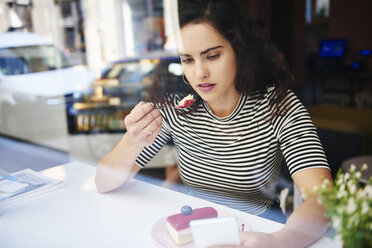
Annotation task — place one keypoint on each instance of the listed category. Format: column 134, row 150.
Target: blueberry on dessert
column 186, row 210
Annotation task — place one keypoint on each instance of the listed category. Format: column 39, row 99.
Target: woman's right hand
column 143, row 124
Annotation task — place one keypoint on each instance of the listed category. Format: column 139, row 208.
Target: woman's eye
column 186, row 60
column 213, row 56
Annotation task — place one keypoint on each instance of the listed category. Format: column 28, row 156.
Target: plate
column 163, row 240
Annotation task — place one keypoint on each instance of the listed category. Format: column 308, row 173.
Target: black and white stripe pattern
column 235, row 161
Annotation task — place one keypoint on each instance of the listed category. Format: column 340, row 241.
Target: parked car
column 131, row 78
column 35, row 76
column 96, row 119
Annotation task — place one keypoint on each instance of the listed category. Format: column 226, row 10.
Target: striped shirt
column 236, row 160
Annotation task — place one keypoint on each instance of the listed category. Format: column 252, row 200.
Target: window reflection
column 122, row 85
column 29, row 59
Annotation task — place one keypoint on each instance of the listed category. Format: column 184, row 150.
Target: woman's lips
column 205, row 87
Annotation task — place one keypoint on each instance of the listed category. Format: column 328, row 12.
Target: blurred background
column 70, row 70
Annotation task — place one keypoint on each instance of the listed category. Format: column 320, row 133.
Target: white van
column 35, row 78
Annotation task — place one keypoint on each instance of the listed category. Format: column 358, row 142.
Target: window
column 316, row 9
column 29, row 59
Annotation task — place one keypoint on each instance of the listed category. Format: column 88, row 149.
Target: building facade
column 92, row 32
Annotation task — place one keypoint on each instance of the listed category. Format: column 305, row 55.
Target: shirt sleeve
column 298, row 138
column 150, row 151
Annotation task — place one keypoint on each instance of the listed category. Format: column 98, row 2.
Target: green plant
column 348, row 204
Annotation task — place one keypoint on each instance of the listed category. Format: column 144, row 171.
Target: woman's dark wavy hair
column 258, row 63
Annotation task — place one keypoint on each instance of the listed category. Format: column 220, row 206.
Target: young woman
column 232, row 141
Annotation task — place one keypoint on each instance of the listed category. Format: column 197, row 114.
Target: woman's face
column 209, row 64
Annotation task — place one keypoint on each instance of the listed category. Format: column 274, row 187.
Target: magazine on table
column 24, row 184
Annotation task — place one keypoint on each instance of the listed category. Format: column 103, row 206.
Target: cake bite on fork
column 186, row 102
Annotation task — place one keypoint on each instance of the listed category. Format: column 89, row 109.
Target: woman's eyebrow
column 183, row 54
column 201, row 53
column 210, row 49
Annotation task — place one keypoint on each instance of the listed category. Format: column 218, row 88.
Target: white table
column 77, row 216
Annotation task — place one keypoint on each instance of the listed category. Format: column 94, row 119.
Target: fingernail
column 141, row 102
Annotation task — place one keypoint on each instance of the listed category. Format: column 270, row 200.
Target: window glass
column 146, row 16
column 131, row 72
column 29, row 59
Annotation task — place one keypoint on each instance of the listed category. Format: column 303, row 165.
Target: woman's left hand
column 255, row 240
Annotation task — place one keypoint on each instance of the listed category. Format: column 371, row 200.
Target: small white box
column 215, row 231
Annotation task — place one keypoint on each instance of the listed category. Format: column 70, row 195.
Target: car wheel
column 10, row 121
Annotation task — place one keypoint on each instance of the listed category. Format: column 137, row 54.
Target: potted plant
column 348, row 205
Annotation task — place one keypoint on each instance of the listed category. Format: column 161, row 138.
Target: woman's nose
column 201, row 71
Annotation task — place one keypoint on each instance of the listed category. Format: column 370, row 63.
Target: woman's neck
column 224, row 107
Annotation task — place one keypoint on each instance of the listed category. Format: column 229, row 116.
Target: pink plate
column 162, row 239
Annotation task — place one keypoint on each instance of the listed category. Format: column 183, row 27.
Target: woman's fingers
column 143, row 124
column 151, row 131
column 138, row 112
column 153, row 128
column 147, row 119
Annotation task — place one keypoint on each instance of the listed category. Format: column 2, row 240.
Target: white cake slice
column 178, row 225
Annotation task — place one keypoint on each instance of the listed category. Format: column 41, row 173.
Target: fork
column 173, row 107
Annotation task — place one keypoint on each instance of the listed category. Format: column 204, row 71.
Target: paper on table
column 24, row 184
column 8, row 186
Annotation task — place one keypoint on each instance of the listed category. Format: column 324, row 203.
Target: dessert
column 186, row 101
column 178, row 225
